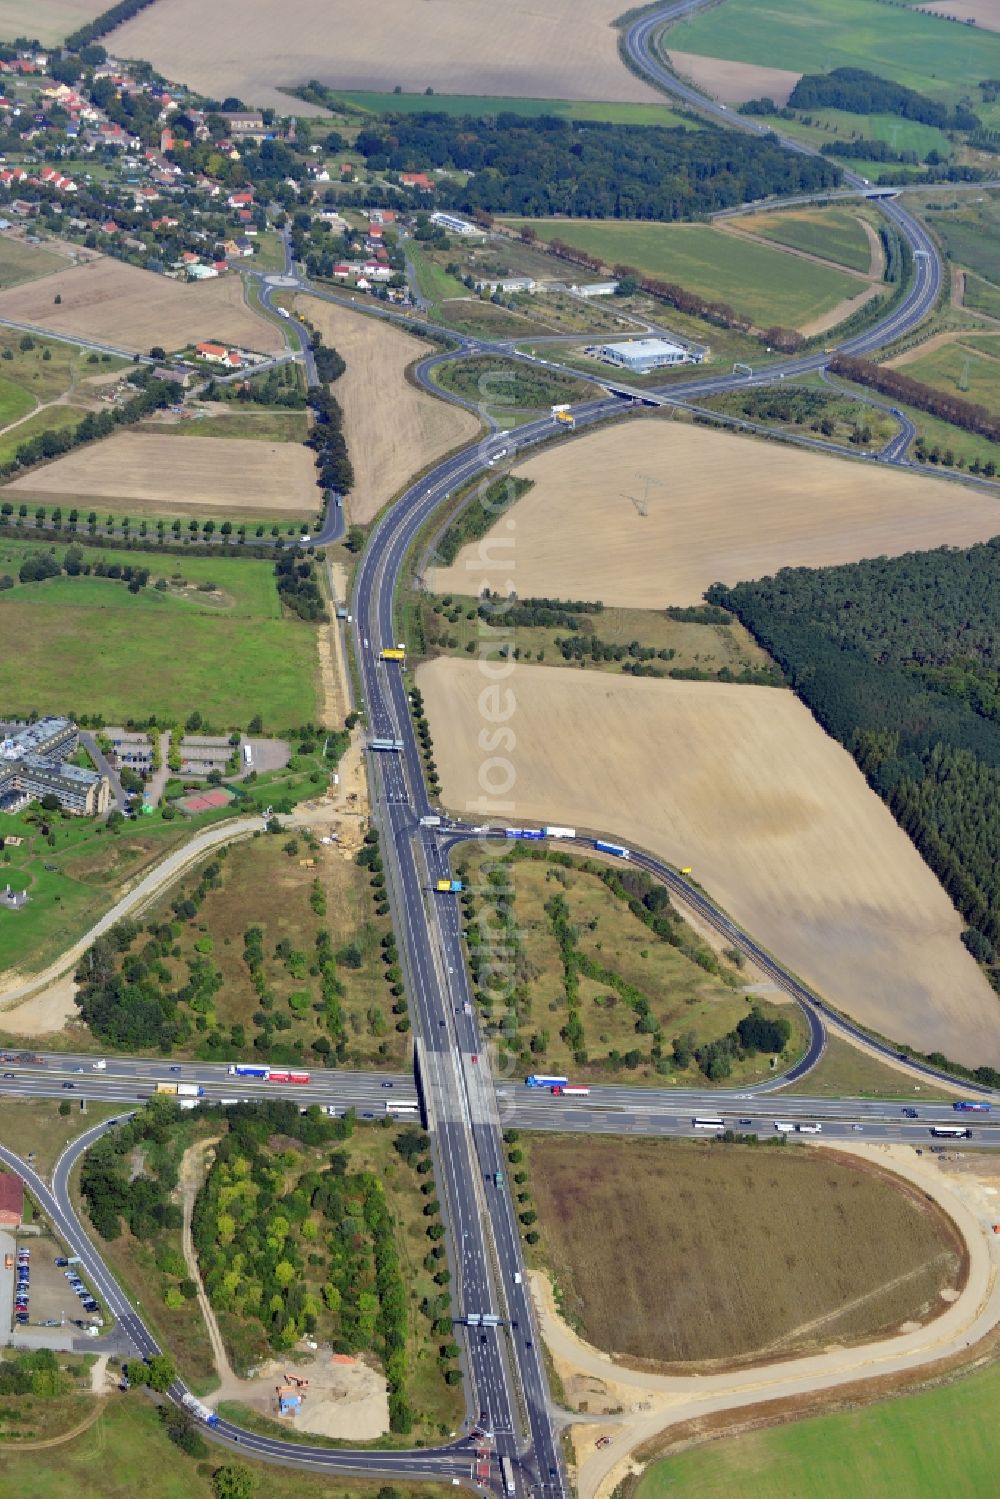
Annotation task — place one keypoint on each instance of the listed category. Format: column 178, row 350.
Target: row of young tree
column 965, row 414
column 104, row 23
column 154, row 395
column 589, row 169
column 899, row 659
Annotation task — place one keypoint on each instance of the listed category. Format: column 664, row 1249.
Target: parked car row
column 22, row 1293
column 81, row 1290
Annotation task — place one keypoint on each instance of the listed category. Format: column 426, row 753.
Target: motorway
column 506, row 1387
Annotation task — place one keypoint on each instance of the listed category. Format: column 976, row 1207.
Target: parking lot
column 51, row 1298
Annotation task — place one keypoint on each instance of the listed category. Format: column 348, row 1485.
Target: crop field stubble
column 129, row 308
column 566, row 49
column 48, row 20
column 741, row 783
column 392, row 428
column 719, row 507
column 830, row 1250
column 152, row 473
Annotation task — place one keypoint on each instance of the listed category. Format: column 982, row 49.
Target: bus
column 705, row 1123
column 507, row 1471
column 241, row 1069
column 539, row 1080
column 392, row 1106
column 970, row 1106
column 284, row 1076
column 950, row 1132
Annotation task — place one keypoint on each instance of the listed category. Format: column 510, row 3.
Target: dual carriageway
column 466, row 1107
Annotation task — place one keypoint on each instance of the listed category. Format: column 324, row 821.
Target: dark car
column 388, row 1085
column 62, row 1260
column 175, row 1069
column 910, row 1114
column 69, row 1085
column 8, row 1077
column 745, row 1121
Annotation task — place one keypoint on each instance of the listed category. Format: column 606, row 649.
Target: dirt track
column 720, row 507
column 742, row 784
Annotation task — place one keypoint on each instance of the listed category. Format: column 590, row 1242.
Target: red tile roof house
column 417, row 179
column 11, row 1200
column 214, row 353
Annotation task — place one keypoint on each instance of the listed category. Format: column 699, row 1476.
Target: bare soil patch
column 830, row 1249
column 985, row 13
column 735, row 82
column 720, row 507
column 164, row 475
column 134, row 309
column 392, row 428
column 742, row 784
column 566, row 49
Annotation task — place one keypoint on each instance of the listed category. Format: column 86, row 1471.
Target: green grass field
column 90, row 645
column 433, row 281
column 146, row 1462
column 982, row 296
column 832, row 233
column 924, row 52
column 51, row 420
column 961, row 371
column 762, row 282
column 258, row 423
column 924, row 1446
column 835, row 124
column 503, row 385
column 20, row 262
column 491, row 104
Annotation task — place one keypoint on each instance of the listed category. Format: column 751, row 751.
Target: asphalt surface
column 506, row 1387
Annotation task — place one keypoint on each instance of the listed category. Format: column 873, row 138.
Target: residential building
column 507, row 283
column 34, row 763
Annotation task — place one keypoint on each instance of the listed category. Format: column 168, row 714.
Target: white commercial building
column 596, row 289
column 640, row 355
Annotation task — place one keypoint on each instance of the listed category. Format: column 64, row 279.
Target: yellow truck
column 393, row 653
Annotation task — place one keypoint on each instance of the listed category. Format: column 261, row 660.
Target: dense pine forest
column 899, row 659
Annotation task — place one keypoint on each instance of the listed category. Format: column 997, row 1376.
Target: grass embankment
column 743, row 1252
column 924, row 52
column 35, row 1126
column 505, row 388
column 814, row 408
column 758, row 280
column 922, row 1446
column 451, row 624
column 588, row 987
column 226, row 647
column 844, row 1071
column 259, row 423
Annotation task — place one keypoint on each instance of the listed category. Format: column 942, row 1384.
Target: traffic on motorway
column 464, row 1107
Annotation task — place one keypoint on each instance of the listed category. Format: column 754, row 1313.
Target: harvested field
column 723, row 508
column 48, row 20
column 741, row 783
column 734, row 82
column 149, row 474
column 566, row 49
column 20, row 262
column 132, row 309
column 830, row 1250
column 392, row 428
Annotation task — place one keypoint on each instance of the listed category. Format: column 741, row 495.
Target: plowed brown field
column 133, row 309
column 720, row 508
column 742, row 784
column 392, row 428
